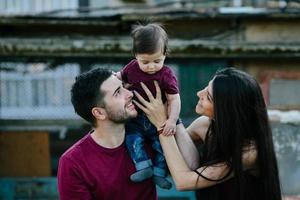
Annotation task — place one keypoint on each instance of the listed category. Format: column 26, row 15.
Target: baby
column 150, row 48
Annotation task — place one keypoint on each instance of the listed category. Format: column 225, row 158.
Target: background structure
column 45, row 44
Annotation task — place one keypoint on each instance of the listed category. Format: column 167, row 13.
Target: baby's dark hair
column 149, row 38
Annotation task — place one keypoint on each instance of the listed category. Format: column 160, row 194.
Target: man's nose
column 129, row 94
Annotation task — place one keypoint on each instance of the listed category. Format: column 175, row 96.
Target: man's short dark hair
column 86, row 94
column 149, row 38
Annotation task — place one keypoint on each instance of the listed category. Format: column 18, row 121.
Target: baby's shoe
column 142, row 174
column 162, row 182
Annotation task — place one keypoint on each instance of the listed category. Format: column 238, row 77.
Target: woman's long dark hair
column 240, row 116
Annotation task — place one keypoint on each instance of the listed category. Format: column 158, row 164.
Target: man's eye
column 117, row 93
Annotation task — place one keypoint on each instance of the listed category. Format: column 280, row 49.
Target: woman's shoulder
column 198, row 128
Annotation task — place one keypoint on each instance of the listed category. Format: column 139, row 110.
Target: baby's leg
column 135, row 145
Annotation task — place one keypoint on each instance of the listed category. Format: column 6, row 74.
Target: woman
column 234, row 122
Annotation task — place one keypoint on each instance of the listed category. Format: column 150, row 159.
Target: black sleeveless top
column 227, row 189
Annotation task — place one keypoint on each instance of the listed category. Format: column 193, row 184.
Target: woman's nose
column 199, row 93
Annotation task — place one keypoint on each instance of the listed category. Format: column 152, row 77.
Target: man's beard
column 120, row 117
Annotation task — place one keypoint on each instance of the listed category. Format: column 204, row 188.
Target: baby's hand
column 127, row 85
column 170, row 128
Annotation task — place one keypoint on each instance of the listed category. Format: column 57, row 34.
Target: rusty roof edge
column 159, row 13
column 121, row 46
column 124, row 43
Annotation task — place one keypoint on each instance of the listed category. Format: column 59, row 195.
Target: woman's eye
column 207, row 96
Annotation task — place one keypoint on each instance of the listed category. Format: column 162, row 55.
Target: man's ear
column 99, row 113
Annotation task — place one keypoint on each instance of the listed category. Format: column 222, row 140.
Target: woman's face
column 205, row 104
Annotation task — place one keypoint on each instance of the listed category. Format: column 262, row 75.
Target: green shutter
column 194, row 77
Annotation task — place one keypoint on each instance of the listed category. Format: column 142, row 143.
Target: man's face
column 117, row 101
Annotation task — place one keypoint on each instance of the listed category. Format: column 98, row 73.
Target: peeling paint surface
column 286, row 139
column 292, row 116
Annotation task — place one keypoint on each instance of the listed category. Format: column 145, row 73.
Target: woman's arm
column 184, row 177
column 187, row 147
column 198, row 128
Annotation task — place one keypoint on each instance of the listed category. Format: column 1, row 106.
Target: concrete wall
column 287, row 146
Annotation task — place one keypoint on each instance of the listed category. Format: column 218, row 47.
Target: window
column 37, row 94
column 281, row 89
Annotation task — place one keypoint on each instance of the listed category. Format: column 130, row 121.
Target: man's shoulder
column 75, row 151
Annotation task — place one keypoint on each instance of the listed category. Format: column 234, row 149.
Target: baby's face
column 151, row 63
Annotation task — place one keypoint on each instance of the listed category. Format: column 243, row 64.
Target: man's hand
column 154, row 109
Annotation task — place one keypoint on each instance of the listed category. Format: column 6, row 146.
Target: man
column 98, row 166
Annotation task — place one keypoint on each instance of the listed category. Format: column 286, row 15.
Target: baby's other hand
column 118, row 75
column 170, row 128
column 127, row 85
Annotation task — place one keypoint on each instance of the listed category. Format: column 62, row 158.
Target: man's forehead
column 110, row 84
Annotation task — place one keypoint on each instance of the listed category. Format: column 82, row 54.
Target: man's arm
column 70, row 184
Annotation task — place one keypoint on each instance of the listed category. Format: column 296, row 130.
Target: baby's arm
column 174, row 106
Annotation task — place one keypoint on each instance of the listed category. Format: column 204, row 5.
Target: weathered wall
column 287, row 146
column 283, row 30
column 24, row 154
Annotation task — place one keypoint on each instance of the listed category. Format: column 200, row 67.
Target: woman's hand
column 154, row 109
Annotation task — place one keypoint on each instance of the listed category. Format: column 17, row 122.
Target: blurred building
column 45, row 44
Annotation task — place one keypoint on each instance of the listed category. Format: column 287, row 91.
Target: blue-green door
column 193, row 77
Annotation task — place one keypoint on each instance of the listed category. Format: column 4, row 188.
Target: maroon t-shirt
column 89, row 171
column 132, row 74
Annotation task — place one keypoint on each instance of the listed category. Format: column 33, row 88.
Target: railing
column 42, row 95
column 35, row 6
